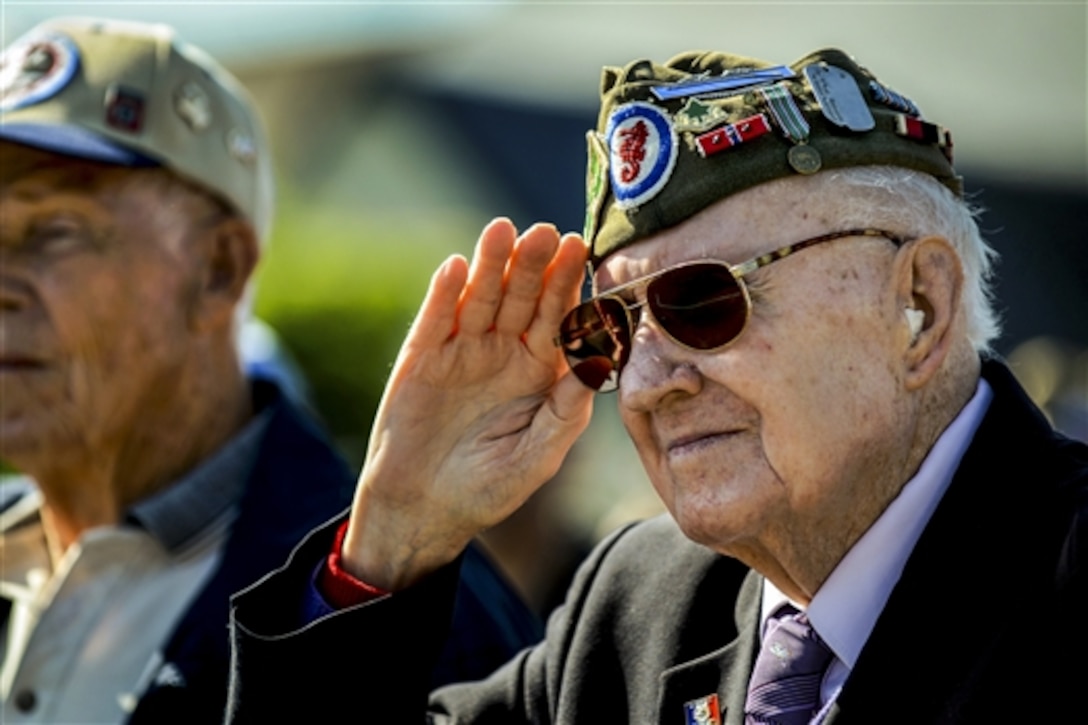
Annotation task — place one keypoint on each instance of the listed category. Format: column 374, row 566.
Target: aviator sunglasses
column 701, row 305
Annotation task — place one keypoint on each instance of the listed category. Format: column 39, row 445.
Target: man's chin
column 721, row 527
column 702, row 528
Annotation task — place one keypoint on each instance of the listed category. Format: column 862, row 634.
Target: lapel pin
column 704, row 711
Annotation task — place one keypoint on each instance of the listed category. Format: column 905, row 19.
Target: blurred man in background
column 869, row 520
column 135, row 188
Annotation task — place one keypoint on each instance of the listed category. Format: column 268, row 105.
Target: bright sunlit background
column 400, row 128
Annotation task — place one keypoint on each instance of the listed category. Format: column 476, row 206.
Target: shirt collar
column 181, row 511
column 847, row 605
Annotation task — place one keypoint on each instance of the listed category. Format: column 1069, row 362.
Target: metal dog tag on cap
column 840, row 98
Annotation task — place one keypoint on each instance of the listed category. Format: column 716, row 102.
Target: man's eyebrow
column 62, row 170
column 45, row 203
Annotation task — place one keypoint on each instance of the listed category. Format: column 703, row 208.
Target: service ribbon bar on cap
column 732, row 134
column 891, row 99
column 925, row 132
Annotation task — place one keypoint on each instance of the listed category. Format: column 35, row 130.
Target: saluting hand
column 479, row 411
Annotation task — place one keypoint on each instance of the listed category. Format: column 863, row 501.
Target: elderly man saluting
column 135, row 187
column 869, row 522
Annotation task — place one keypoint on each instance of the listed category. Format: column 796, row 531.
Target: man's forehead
column 734, row 229
column 29, row 174
column 665, row 249
column 18, row 161
column 659, row 252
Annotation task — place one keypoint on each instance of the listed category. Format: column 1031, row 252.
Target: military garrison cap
column 134, row 94
column 673, row 139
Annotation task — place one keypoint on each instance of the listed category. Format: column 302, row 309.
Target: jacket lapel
column 723, row 673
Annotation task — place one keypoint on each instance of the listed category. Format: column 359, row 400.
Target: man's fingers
column 463, row 436
column 562, row 289
column 437, row 316
column 525, row 278
column 572, row 404
column 483, row 293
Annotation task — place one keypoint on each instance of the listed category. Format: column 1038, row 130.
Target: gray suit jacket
column 986, row 624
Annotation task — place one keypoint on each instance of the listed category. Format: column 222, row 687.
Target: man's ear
column 930, row 292
column 229, row 253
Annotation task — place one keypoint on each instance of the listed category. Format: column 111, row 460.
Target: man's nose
column 656, row 368
column 15, row 293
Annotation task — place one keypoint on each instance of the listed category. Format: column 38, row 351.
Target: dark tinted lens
column 699, row 305
column 596, row 340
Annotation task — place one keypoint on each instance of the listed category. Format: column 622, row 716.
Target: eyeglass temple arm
column 744, row 268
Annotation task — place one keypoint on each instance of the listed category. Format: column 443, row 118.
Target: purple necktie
column 785, row 684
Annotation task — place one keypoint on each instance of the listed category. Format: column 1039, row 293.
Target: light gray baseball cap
column 134, row 94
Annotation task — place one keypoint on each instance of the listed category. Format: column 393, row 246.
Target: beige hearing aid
column 915, row 319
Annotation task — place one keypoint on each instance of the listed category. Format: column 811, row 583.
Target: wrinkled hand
column 479, row 411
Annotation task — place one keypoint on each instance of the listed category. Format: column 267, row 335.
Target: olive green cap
column 134, row 94
column 673, row 139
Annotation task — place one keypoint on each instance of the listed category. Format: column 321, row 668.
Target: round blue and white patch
column 35, row 68
column 642, row 149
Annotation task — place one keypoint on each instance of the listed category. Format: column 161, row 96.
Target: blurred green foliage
column 341, row 288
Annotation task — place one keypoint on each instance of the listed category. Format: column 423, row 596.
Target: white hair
column 916, row 204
